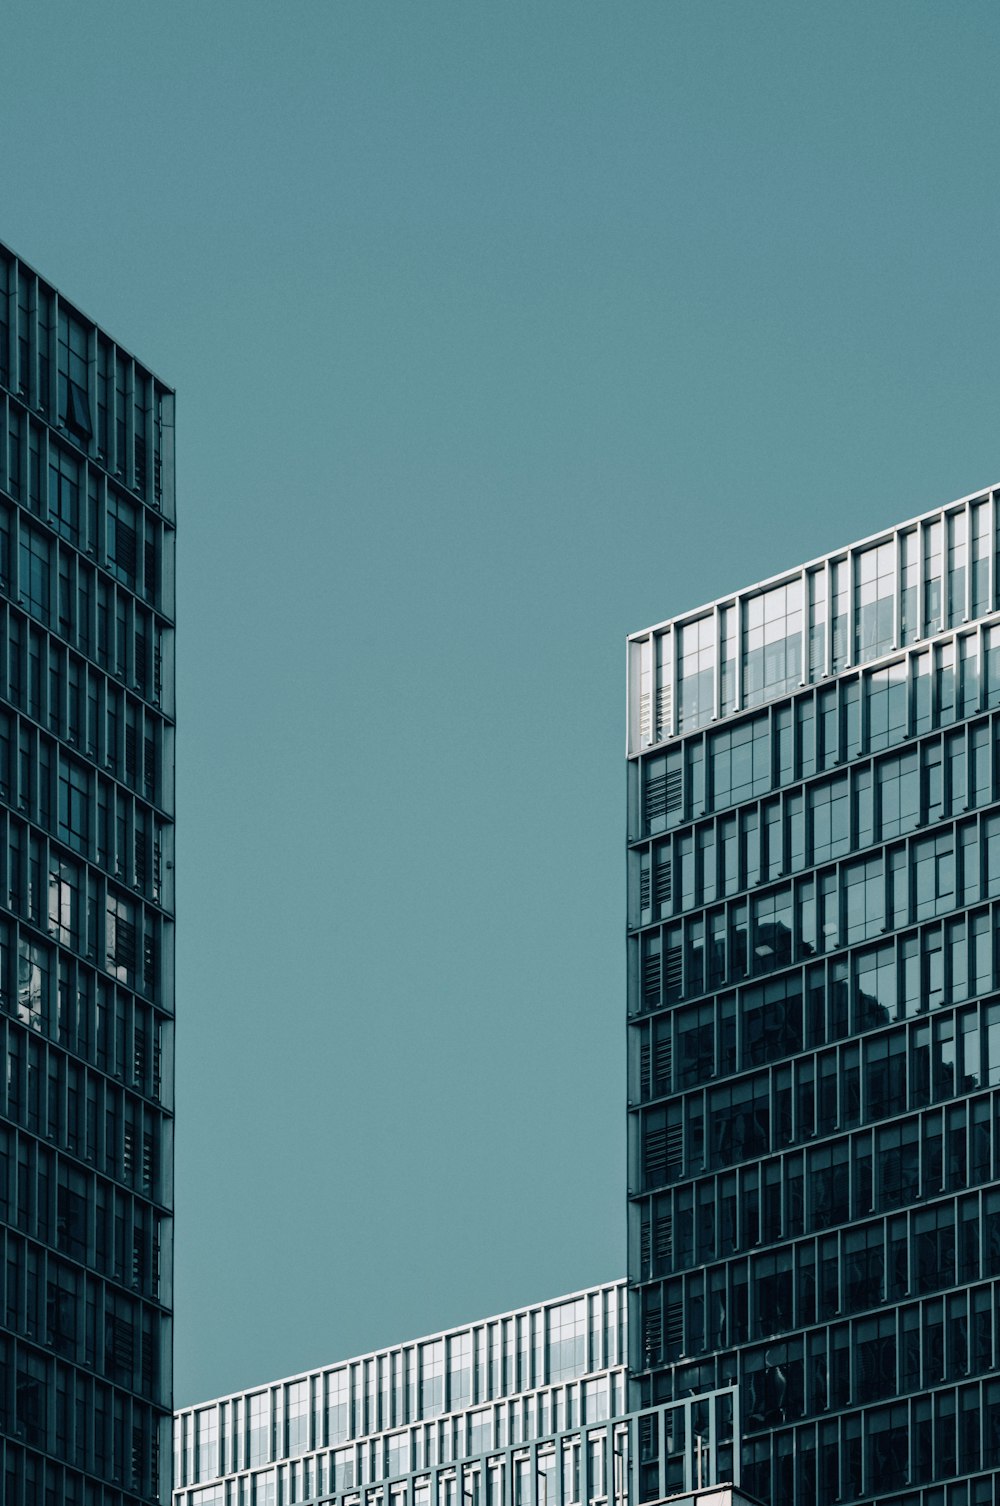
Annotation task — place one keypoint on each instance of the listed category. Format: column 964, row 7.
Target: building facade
column 814, row 1016
column 524, row 1409
column 86, row 906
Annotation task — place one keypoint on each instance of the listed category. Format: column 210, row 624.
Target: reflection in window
column 32, row 983
column 432, row 1377
column 74, row 406
column 817, row 623
column 875, row 578
column 932, row 577
column 567, row 1335
column 729, row 617
column 260, row 1428
column 840, row 619
column 772, row 643
column 874, row 987
column 298, row 1417
column 886, row 694
column 772, row 1020
column 957, row 557
column 740, row 761
column 696, row 696
column 980, row 558
column 909, row 621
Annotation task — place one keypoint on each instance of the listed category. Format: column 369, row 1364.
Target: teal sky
column 499, row 331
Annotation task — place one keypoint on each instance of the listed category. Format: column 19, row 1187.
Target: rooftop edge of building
column 882, row 535
column 9, row 252
column 618, row 1284
column 932, row 579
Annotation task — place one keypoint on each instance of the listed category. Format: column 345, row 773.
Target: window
column 934, row 870
column 64, row 493
column 432, row 1378
column 122, row 539
column 740, row 761
column 459, row 1371
column 260, row 1427
column 932, row 578
column 34, row 565
column 772, row 1020
column 121, row 938
column 957, row 558
column 830, row 819
column 64, row 902
column 297, row 1406
column 74, row 804
column 886, row 694
column 74, row 405
column 567, row 1334
column 864, row 898
column 873, row 594
column 32, row 983
column 899, row 794
column 874, row 987
column 206, row 1443
column 696, row 693
column 897, row 1165
column 772, row 645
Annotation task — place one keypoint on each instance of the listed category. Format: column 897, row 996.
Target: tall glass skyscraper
column 814, row 1015
column 86, row 905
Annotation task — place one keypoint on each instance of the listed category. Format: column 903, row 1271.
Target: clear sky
column 499, row 330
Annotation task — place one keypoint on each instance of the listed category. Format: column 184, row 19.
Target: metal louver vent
column 815, row 652
column 656, row 797
column 148, row 961
column 663, row 1237
column 651, row 980
column 147, row 1163
column 149, row 767
column 644, row 887
column 664, row 706
column 125, row 547
column 644, row 1075
column 663, row 887
column 672, row 967
column 673, row 790
column 120, row 1342
column 124, row 953
column 656, row 1154
column 645, row 718
column 139, row 1056
column 663, row 1061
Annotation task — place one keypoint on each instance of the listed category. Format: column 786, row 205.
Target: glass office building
column 86, row 904
column 814, row 1015
column 524, row 1409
